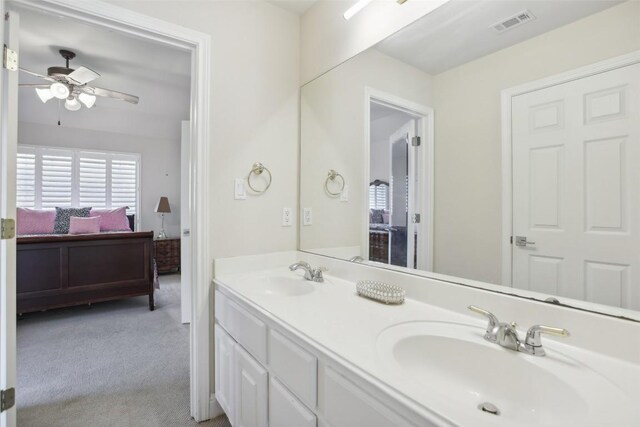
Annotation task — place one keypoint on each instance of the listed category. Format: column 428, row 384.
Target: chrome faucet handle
column 316, row 273
column 491, row 333
column 533, row 343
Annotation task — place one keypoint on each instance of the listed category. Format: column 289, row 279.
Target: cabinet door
column 285, row 410
column 347, row 405
column 224, row 369
column 251, row 382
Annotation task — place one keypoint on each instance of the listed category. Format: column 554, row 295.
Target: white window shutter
column 124, row 184
column 57, row 178
column 92, row 181
column 26, row 178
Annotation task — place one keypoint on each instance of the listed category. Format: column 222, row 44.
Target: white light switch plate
column 287, row 219
column 239, row 189
column 344, row 195
column 307, row 216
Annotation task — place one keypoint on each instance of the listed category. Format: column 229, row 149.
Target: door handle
column 522, row 241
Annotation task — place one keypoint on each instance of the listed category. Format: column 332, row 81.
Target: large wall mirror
column 494, row 142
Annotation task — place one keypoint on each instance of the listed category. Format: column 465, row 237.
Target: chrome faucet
column 310, row 273
column 506, row 335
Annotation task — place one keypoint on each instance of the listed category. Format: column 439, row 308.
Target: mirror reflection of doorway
column 394, row 169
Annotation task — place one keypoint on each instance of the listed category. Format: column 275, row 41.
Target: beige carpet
column 114, row 364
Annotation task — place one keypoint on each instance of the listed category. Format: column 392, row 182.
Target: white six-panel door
column 576, row 188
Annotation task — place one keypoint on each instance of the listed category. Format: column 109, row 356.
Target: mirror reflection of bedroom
column 103, row 309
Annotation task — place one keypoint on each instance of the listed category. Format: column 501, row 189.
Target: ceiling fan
column 71, row 85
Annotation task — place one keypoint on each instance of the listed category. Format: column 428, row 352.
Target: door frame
column 425, row 123
column 202, row 401
column 397, row 136
column 506, row 96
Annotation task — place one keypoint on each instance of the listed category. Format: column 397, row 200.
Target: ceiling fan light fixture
column 59, row 90
column 87, row 100
column 44, row 94
column 72, row 104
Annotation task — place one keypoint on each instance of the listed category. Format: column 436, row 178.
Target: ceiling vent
column 514, row 21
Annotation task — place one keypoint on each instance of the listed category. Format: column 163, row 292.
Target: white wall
column 328, row 39
column 467, row 131
column 333, row 128
column 254, row 114
column 160, row 169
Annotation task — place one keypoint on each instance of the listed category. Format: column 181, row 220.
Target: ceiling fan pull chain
column 59, row 106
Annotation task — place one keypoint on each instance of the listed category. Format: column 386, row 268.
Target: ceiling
column 459, row 31
column 299, row 7
column 158, row 74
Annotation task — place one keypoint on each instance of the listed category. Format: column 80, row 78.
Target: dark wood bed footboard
column 65, row 270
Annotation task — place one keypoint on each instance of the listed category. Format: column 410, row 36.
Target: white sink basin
column 279, row 284
column 455, row 361
column 288, row 286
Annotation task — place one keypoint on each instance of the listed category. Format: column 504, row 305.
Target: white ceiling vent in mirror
column 514, row 21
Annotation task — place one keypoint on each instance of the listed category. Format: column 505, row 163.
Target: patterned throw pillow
column 63, row 217
column 376, row 216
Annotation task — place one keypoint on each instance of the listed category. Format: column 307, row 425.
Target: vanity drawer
column 285, row 409
column 347, row 405
column 246, row 329
column 295, row 367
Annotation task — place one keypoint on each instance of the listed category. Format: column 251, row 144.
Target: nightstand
column 167, row 255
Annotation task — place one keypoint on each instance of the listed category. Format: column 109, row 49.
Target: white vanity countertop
column 347, row 326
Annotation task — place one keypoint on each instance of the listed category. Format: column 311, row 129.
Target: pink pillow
column 88, row 225
column 112, row 219
column 35, row 221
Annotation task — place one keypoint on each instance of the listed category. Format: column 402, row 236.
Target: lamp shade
column 163, row 205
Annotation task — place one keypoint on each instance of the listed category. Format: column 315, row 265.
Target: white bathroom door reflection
column 576, row 189
column 402, row 238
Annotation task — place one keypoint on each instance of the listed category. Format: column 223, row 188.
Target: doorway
column 399, row 174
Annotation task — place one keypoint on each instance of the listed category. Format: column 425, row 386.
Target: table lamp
column 163, row 208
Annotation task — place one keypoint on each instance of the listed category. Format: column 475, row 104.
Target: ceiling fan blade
column 110, row 94
column 47, row 78
column 82, row 75
column 35, row 85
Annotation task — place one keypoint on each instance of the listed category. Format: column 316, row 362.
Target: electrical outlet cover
column 307, row 216
column 287, row 219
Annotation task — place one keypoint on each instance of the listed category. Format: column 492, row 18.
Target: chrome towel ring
column 257, row 169
column 332, row 176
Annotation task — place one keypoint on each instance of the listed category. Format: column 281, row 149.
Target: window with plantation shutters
column 124, row 183
column 26, row 179
column 56, row 179
column 378, row 196
column 49, row 177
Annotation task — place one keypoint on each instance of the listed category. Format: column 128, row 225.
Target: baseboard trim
column 215, row 410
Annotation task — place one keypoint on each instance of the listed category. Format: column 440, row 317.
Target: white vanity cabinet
column 265, row 376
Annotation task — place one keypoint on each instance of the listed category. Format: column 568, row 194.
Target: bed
column 56, row 271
